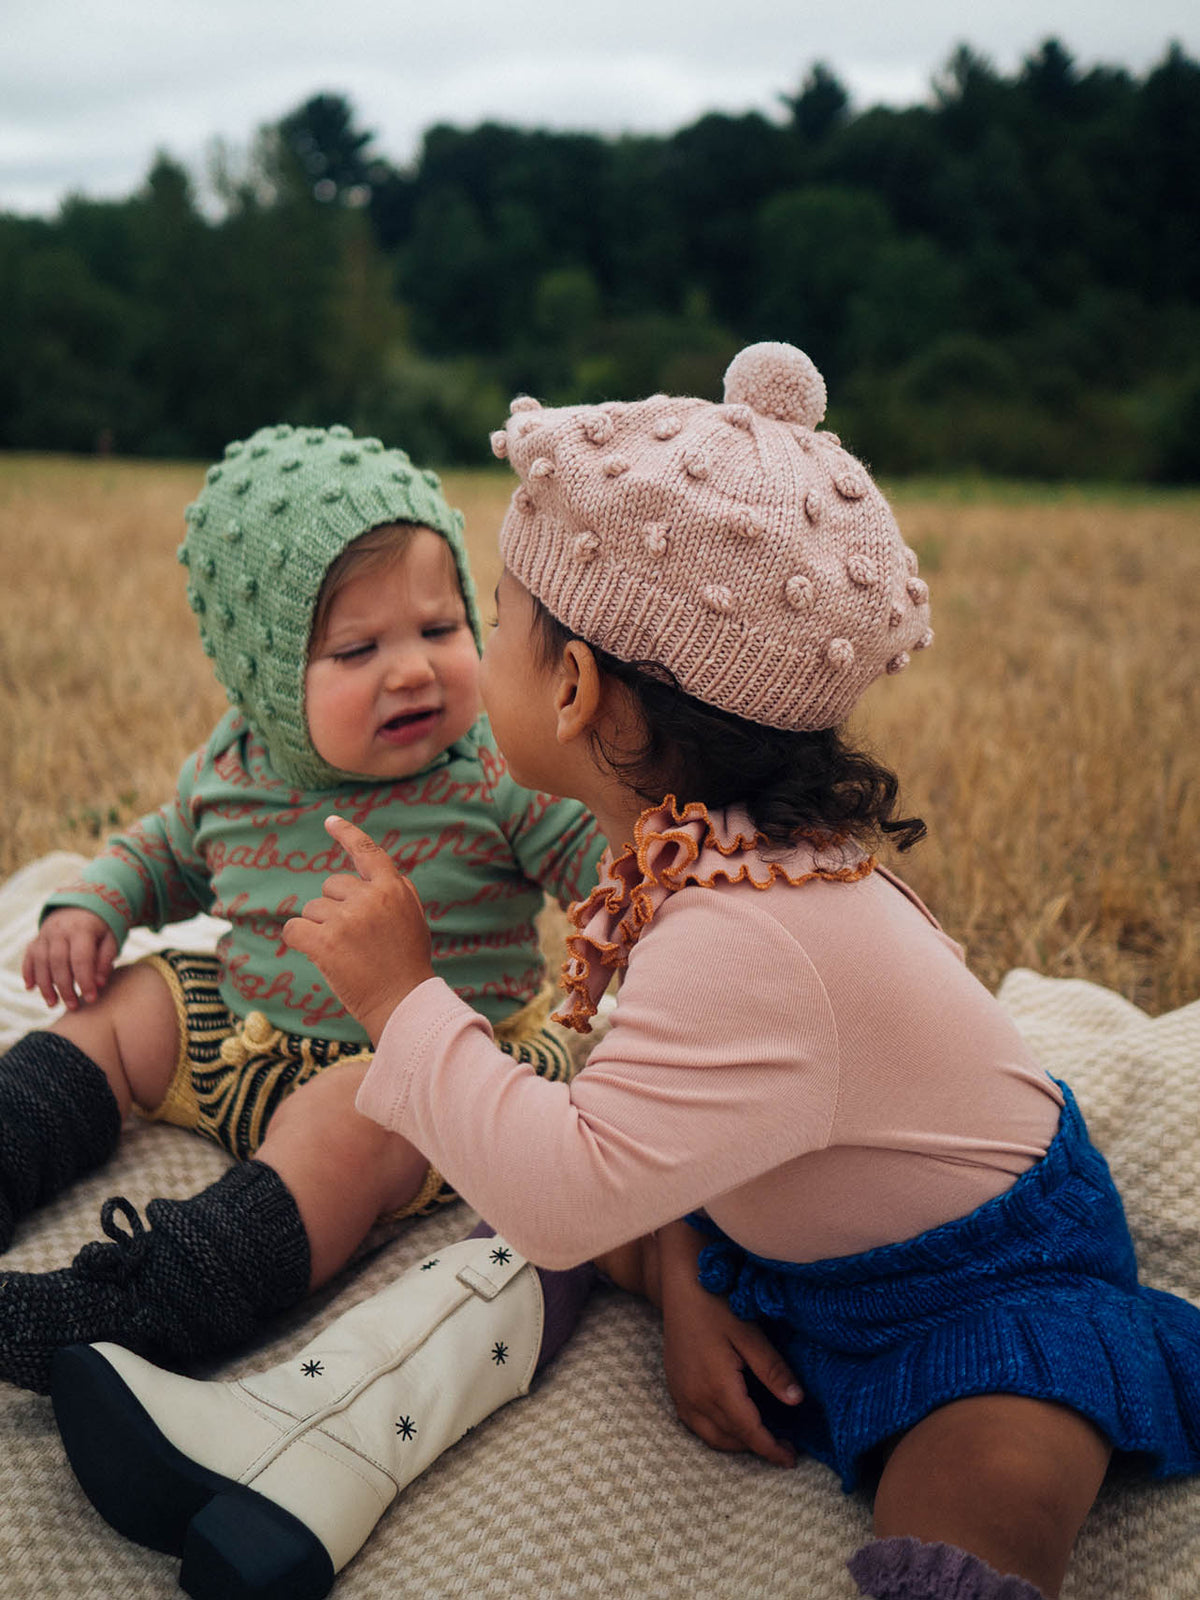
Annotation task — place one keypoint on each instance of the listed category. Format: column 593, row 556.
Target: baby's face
column 394, row 680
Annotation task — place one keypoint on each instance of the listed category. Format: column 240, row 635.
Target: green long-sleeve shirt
column 241, row 843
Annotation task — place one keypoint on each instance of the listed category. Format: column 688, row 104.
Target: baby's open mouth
column 408, row 723
column 406, row 717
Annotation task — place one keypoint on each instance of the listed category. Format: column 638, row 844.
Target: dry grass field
column 1051, row 739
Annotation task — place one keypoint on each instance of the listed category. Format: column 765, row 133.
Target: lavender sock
column 907, row 1569
column 564, row 1295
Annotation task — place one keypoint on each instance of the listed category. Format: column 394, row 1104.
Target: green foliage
column 436, row 410
column 1005, row 279
column 331, row 156
column 817, row 250
column 1178, row 431
column 821, row 107
column 960, row 367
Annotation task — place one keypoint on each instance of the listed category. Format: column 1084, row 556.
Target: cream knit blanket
column 590, row 1486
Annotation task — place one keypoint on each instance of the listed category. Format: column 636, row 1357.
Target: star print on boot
column 268, row 1485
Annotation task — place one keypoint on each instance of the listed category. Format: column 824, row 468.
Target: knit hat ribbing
column 733, row 544
column 270, row 521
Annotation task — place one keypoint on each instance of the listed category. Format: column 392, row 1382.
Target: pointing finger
column 370, row 861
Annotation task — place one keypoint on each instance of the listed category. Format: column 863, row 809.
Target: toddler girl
column 878, row 1174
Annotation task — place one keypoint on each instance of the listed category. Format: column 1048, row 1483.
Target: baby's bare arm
column 72, row 957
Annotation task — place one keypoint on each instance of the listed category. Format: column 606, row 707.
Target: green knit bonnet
column 270, row 521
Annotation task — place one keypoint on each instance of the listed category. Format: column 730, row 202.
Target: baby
column 331, row 586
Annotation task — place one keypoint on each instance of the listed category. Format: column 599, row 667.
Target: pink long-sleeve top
column 797, row 1048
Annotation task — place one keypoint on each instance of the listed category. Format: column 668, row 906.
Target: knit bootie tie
column 58, row 1120
column 269, row 1485
column 199, row 1281
column 907, row 1569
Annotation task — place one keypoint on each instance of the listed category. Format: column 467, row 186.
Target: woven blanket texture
column 590, row 1486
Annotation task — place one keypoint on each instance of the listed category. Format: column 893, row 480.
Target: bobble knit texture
column 270, row 521
column 735, row 544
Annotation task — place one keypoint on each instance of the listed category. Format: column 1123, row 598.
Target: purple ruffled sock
column 907, row 1569
column 564, row 1295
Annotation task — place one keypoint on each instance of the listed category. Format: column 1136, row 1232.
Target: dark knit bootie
column 199, row 1281
column 908, row 1569
column 58, row 1120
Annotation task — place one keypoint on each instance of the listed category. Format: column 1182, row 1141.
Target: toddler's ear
column 579, row 691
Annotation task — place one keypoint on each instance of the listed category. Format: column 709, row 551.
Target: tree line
column 1005, row 278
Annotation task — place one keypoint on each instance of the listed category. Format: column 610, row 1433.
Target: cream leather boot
column 268, row 1485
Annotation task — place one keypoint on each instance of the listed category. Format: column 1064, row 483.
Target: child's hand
column 71, row 958
column 367, row 934
column 706, row 1350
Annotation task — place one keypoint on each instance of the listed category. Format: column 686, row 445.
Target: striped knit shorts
column 232, row 1073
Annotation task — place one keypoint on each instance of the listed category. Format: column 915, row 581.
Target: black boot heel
column 135, row 1477
column 242, row 1546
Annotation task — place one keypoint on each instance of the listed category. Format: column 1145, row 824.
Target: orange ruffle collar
column 673, row 848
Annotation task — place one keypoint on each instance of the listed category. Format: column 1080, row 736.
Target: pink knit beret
column 733, row 544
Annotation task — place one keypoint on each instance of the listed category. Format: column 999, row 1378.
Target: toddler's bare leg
column 1006, row 1478
column 635, row 1268
column 343, row 1170
column 131, row 1032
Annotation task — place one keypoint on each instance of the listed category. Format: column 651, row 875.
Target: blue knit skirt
column 1035, row 1293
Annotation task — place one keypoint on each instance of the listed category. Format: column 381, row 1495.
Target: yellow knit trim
column 179, row 1106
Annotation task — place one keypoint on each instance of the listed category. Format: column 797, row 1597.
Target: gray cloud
column 88, row 89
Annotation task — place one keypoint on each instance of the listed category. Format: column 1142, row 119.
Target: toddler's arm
column 367, row 934
column 707, row 1351
column 71, row 958
column 672, row 1108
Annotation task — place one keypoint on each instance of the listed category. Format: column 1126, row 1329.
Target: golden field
column 1051, row 738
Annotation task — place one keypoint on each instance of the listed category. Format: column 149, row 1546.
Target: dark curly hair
column 792, row 784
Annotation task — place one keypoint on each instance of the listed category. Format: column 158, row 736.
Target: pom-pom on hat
column 735, row 544
column 270, row 521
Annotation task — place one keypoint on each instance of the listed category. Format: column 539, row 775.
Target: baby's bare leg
column 132, row 1033
column 343, row 1170
column 65, row 1090
column 1007, row 1478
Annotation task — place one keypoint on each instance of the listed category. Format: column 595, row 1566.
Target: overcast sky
column 89, row 89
